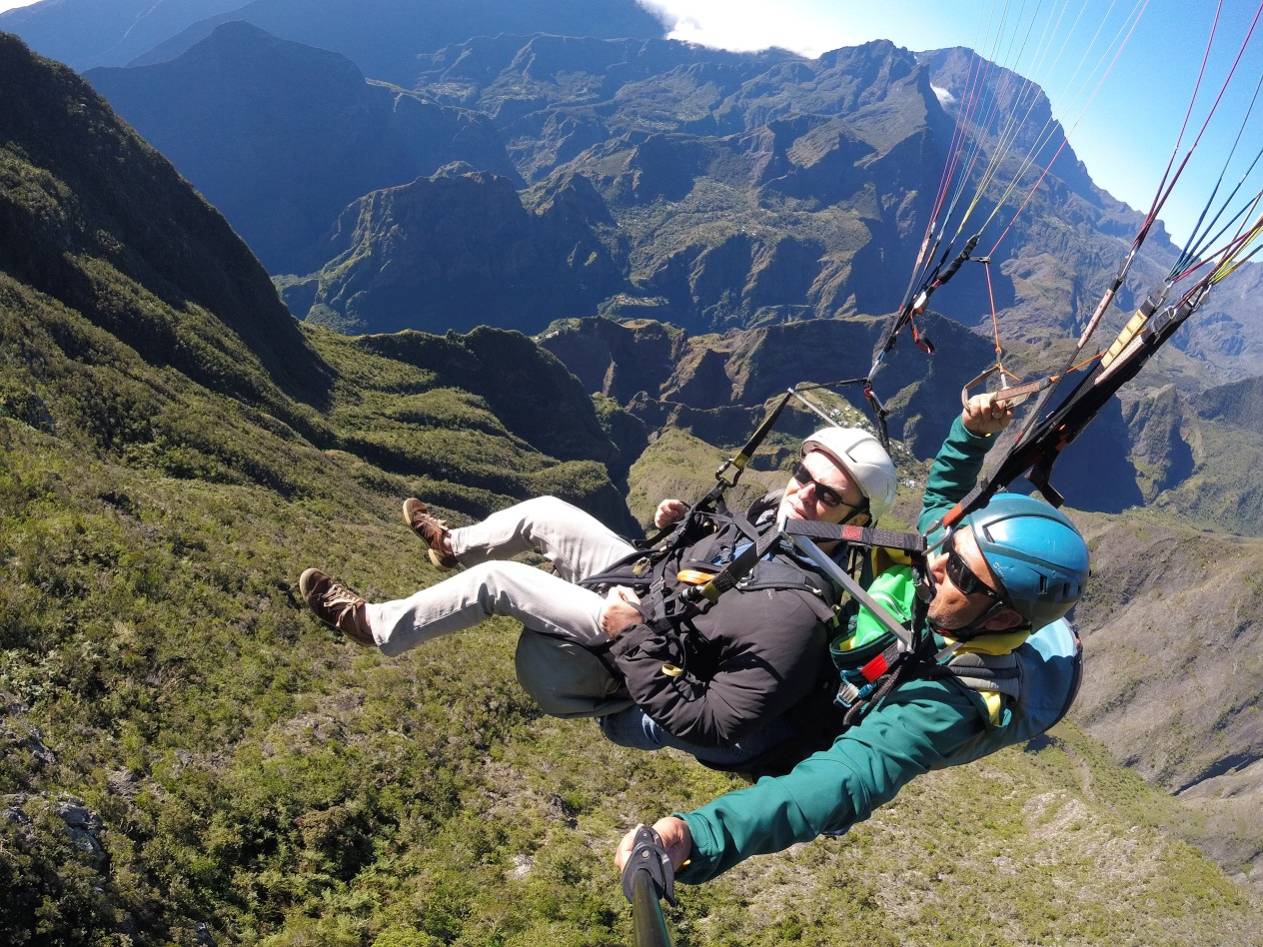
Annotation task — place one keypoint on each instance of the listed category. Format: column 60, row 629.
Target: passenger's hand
column 668, row 512
column 987, row 414
column 620, row 612
column 676, row 839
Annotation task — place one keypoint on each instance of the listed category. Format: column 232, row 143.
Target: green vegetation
column 187, row 757
column 254, row 774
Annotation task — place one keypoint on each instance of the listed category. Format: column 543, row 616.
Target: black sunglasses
column 963, row 577
column 827, row 495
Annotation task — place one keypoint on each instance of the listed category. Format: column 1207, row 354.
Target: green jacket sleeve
column 916, row 729
column 954, row 473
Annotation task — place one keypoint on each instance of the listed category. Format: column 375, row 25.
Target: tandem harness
column 707, row 555
column 901, row 645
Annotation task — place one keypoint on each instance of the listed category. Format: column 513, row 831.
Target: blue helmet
column 1035, row 553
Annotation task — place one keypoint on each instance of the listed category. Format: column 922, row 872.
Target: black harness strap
column 856, row 535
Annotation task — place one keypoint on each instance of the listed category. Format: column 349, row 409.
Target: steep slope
column 161, row 490
column 459, row 249
column 1239, row 404
column 1227, row 332
column 383, row 37
column 87, row 33
column 98, row 249
column 281, row 137
column 1173, row 625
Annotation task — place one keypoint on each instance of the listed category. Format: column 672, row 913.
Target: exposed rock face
column 618, row 359
column 741, row 370
column 22, row 743
column 766, row 189
column 458, row 250
column 1158, row 448
column 281, row 137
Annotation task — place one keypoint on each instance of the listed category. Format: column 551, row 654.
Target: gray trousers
column 577, row 544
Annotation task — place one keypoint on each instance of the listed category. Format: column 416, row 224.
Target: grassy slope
column 255, row 779
column 253, row 772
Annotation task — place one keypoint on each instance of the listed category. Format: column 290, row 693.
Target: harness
column 675, row 589
column 902, row 646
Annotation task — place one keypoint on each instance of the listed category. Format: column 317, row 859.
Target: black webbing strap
column 742, row 457
column 880, row 413
column 884, row 672
column 856, row 535
column 727, row 475
column 731, row 574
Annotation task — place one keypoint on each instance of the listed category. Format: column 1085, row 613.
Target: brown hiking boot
column 336, row 605
column 431, row 529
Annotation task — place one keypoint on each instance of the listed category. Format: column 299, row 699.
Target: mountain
column 717, row 387
column 742, row 189
column 459, row 249
column 384, row 37
column 1227, row 332
column 280, row 137
column 762, row 188
column 87, row 33
column 1172, row 621
column 186, row 757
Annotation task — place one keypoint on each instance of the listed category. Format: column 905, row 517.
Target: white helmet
column 862, row 456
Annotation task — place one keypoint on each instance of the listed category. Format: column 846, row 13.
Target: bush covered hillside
column 187, row 757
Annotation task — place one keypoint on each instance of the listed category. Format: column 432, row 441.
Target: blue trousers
column 635, row 729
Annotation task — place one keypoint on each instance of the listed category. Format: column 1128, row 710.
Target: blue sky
column 1126, row 135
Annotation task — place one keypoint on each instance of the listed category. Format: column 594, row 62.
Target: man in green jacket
column 1002, row 582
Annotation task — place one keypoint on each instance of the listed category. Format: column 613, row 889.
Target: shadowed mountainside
column 281, row 137
column 384, row 37
column 87, row 33
column 459, row 249
column 380, row 35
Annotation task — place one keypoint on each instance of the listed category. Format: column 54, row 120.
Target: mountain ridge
column 281, row 136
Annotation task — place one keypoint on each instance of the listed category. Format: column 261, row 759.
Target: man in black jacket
column 715, row 690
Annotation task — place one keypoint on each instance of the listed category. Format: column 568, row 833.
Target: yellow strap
column 1001, row 643
column 994, row 701
column 670, row 670
column 693, row 576
column 883, row 559
column 1134, row 325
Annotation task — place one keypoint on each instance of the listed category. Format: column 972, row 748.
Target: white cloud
column 944, row 97
column 11, row 4
column 746, row 25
